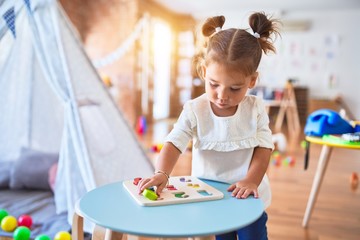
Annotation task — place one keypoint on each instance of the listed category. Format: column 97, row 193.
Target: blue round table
column 112, row 207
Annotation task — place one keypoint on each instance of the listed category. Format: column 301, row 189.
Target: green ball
column 22, row 233
column 42, row 237
column 3, row 213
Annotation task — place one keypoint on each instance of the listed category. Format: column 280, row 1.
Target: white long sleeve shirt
column 223, row 146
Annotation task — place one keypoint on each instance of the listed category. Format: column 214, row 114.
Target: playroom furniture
column 112, row 207
column 327, row 146
column 288, row 108
column 292, row 105
column 180, row 189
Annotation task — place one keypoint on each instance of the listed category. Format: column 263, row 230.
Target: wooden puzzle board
column 182, row 189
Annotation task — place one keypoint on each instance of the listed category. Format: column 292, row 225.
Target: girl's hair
column 238, row 49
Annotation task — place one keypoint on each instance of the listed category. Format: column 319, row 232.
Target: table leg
column 100, row 233
column 132, row 237
column 320, row 172
column 77, row 231
column 110, row 235
column 202, row 238
column 190, row 238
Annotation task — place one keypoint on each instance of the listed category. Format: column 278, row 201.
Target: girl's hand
column 243, row 189
column 158, row 180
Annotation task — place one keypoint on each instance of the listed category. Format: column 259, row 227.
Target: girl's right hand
column 158, row 180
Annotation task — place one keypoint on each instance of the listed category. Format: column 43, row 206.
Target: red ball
column 25, row 220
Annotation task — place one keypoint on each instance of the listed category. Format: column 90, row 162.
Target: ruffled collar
column 226, row 146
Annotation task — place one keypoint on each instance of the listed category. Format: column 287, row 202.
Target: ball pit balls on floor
column 42, row 237
column 62, row 235
column 8, row 223
column 21, row 227
column 22, row 233
column 25, row 220
column 3, row 213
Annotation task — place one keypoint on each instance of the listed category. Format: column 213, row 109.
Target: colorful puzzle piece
column 182, row 179
column 150, row 194
column 171, row 187
column 183, row 189
column 137, row 180
column 196, row 185
column 181, row 195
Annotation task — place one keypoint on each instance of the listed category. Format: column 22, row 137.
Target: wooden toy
column 182, row 189
column 150, row 194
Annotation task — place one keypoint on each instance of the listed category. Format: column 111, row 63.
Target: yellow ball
column 9, row 223
column 62, row 236
column 159, row 146
column 303, row 144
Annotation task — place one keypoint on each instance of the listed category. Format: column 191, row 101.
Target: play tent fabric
column 52, row 100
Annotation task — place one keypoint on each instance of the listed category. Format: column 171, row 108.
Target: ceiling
column 202, row 8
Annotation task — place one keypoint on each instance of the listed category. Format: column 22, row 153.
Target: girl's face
column 226, row 88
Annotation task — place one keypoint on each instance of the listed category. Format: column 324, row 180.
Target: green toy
column 149, row 194
column 22, row 233
column 3, row 213
column 42, row 237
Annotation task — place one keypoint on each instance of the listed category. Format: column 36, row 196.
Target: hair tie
column 217, row 29
column 256, row 35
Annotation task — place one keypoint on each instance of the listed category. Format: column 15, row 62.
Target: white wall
column 335, row 36
column 325, row 58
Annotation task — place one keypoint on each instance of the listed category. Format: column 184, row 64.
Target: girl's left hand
column 243, row 189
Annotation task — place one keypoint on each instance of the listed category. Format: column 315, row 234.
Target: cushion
column 52, row 175
column 5, row 168
column 31, row 170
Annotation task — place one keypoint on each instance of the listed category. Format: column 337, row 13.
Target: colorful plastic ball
column 141, row 125
column 42, row 237
column 3, row 213
column 8, row 223
column 22, row 233
column 159, row 146
column 285, row 162
column 154, row 148
column 292, row 161
column 25, row 220
column 303, row 144
column 62, row 235
column 354, row 181
column 276, row 153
